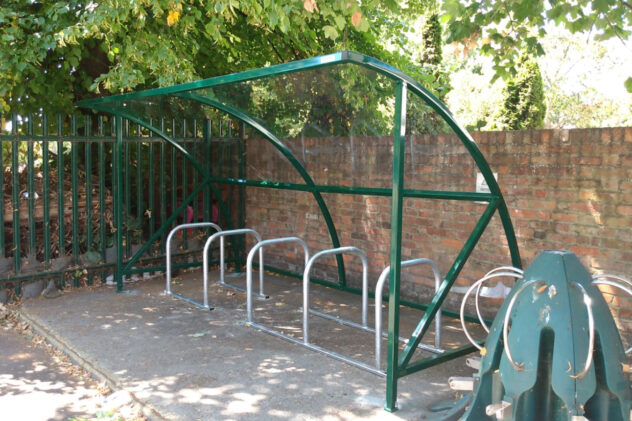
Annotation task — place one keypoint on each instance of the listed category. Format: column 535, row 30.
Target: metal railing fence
column 57, row 203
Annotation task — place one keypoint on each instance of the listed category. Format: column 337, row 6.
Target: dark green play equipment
column 553, row 352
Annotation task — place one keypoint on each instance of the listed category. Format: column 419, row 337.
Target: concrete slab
column 187, row 363
column 35, row 387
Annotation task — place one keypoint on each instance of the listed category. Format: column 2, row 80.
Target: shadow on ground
column 188, row 363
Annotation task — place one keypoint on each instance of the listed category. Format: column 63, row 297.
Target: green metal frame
column 398, row 365
column 120, row 269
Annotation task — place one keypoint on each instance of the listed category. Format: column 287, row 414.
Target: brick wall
column 569, row 189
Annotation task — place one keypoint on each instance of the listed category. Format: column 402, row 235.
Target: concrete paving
column 185, row 363
column 36, row 386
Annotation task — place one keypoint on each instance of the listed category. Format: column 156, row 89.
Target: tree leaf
column 330, row 32
column 356, row 18
column 310, row 5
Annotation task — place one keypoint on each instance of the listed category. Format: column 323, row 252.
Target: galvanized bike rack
column 365, row 290
column 221, row 236
column 616, row 281
column 379, row 287
column 305, row 343
column 259, row 247
column 503, row 271
column 168, row 263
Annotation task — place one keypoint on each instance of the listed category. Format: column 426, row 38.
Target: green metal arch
column 206, row 180
column 463, row 136
column 276, row 142
column 329, row 60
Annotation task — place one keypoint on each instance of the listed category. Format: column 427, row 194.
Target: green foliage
column 523, row 105
column 582, row 80
column 421, row 118
column 502, row 29
column 55, row 52
column 431, row 41
column 432, row 56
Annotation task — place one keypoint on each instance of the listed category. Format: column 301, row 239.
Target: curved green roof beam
column 329, row 60
column 205, row 180
column 276, row 142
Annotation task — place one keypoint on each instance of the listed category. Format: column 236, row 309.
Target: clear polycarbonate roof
column 339, row 94
column 343, row 99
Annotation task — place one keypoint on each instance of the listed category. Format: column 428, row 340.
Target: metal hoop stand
column 168, row 264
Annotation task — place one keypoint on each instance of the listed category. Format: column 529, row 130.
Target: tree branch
column 281, row 59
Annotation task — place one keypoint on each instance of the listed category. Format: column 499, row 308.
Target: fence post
column 15, row 194
column 241, row 174
column 74, row 176
column 60, row 194
column 118, row 202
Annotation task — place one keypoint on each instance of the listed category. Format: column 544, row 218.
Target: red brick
column 540, row 193
column 564, row 189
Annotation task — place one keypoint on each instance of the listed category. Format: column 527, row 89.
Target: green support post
column 45, row 191
column 150, row 200
column 139, row 180
column 118, row 201
column 15, row 190
column 399, row 147
column 31, row 189
column 60, row 194
column 88, row 182
column 127, row 192
column 74, row 162
column 194, row 178
column 102, row 231
column 184, row 186
column 206, row 199
column 174, row 178
column 163, row 193
column 241, row 173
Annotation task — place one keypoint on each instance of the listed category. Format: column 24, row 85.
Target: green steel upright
column 399, row 133
column 117, row 172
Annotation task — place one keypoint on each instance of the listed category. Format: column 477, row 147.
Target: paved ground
column 37, row 383
column 185, row 363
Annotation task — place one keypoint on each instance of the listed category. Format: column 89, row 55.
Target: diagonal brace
column 442, row 293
